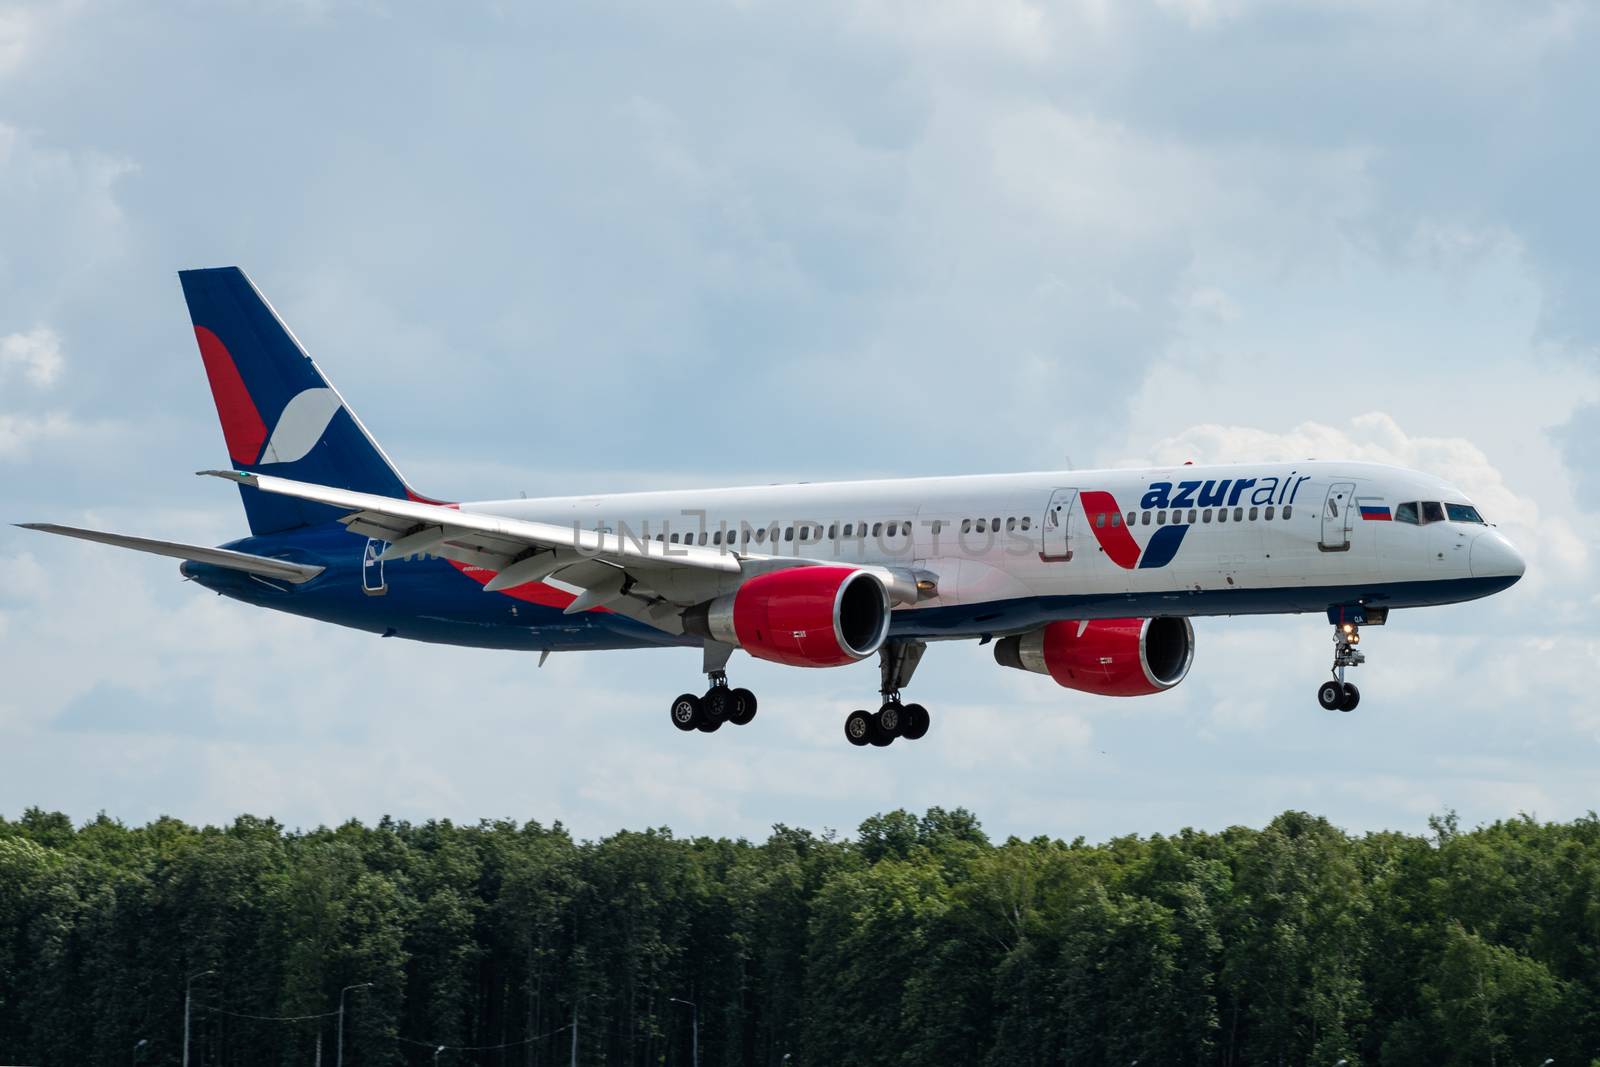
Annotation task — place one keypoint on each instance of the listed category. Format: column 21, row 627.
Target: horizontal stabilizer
column 264, row 566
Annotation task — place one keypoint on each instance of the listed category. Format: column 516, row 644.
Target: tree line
column 916, row 941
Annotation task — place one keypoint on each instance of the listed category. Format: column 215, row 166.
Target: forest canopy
column 917, row 941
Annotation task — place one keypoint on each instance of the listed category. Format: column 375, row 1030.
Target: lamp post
column 188, row 997
column 138, row 1047
column 695, row 1032
column 339, row 1056
column 436, row 1052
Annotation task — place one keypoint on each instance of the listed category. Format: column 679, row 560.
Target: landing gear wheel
column 744, row 707
column 1349, row 697
column 858, row 728
column 913, row 721
column 686, row 712
column 1331, row 695
column 889, row 719
column 717, row 704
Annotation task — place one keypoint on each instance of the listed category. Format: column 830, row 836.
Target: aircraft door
column 1338, row 517
column 1056, row 527
column 372, row 582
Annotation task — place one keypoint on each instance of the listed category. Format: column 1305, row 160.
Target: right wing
column 264, row 566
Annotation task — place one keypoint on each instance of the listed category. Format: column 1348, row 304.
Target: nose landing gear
column 1340, row 695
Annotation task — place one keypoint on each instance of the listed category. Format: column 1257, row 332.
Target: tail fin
column 279, row 414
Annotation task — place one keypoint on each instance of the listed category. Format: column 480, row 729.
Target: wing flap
column 265, row 566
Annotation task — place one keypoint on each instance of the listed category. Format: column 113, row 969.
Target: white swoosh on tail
column 301, row 426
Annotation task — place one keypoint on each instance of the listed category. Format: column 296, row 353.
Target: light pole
column 695, row 1045
column 575, row 1004
column 1547, row 1063
column 138, row 1047
column 436, row 1052
column 188, row 997
column 339, row 1057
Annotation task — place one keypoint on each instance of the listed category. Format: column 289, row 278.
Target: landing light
column 1355, row 639
column 1349, row 627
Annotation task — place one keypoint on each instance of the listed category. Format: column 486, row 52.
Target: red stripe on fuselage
column 1115, row 539
column 242, row 427
column 533, row 592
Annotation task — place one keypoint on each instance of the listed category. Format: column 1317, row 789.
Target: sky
column 575, row 248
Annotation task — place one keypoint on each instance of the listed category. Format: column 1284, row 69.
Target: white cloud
column 34, row 356
column 16, row 32
column 19, row 433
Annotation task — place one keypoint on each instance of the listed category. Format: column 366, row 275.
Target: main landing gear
column 897, row 661
column 1340, row 695
column 720, row 703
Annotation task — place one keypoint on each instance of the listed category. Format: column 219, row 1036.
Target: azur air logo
column 1104, row 515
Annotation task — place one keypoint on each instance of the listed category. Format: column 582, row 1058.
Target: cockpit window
column 1463, row 513
column 1406, row 512
column 1432, row 512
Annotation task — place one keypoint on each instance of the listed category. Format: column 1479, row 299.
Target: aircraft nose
column 1494, row 557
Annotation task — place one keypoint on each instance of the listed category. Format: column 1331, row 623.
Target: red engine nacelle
column 802, row 616
column 1110, row 657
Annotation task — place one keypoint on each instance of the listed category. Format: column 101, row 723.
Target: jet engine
column 1109, row 657
column 801, row 616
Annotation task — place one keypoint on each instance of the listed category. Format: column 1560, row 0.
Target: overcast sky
column 570, row 248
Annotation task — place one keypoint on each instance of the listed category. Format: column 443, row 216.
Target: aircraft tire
column 914, row 723
column 858, row 728
column 1349, row 698
column 891, row 718
column 744, row 707
column 686, row 712
column 1330, row 695
column 718, row 704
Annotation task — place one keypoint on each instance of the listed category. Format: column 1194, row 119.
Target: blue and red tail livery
column 279, row 413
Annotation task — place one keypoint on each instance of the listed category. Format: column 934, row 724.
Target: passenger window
column 877, row 529
column 716, row 538
column 982, row 528
column 1191, row 515
column 1161, row 518
column 1222, row 514
column 1100, row 520
column 761, row 535
column 1288, row 511
column 1238, row 514
column 1268, row 513
column 1253, row 514
column 1116, row 519
column 702, row 537
column 1011, row 524
column 966, row 525
column 1133, row 518
column 894, row 529
column 674, row 538
column 995, row 525
column 1027, row 522
column 788, row 533
column 1432, row 512
column 1145, row 521
column 1205, row 516
column 1406, row 512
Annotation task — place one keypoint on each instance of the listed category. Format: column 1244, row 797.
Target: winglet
column 242, row 477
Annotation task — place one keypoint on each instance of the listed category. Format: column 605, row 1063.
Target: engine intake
column 801, row 616
column 1109, row 657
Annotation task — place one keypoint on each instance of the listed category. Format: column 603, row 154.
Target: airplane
column 1090, row 577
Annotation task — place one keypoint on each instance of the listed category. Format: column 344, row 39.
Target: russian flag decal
column 1376, row 512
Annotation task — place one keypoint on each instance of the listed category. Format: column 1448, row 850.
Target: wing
column 648, row 580
column 265, row 566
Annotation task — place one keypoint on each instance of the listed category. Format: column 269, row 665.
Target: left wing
column 648, row 580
